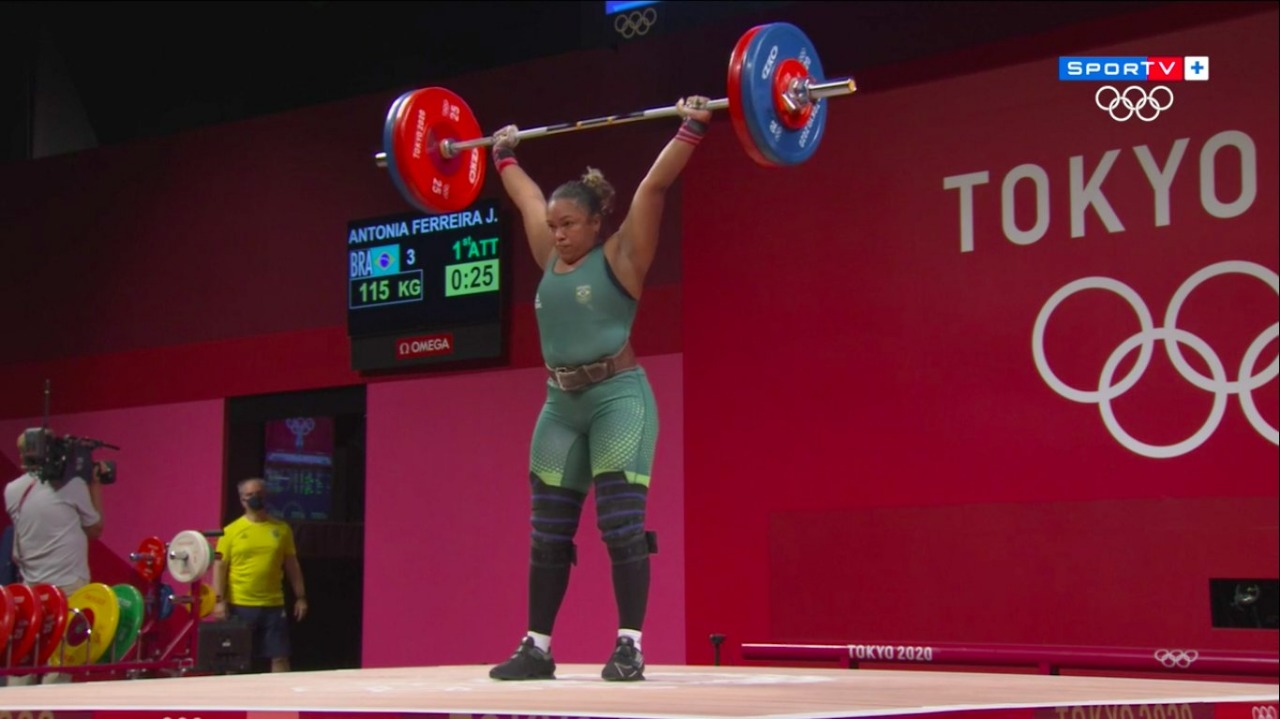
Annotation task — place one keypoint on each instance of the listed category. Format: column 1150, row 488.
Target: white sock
column 633, row 633
column 541, row 641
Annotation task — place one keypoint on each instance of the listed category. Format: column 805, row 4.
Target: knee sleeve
column 555, row 522
column 620, row 514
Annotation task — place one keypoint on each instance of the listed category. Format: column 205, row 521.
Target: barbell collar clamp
column 803, row 91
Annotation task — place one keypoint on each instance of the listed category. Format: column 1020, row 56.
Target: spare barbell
column 434, row 149
column 189, row 556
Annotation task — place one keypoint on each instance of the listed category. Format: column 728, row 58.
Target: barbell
column 187, row 556
column 434, row 149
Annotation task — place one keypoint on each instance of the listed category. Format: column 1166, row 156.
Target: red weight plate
column 53, row 607
column 151, row 557
column 26, row 625
column 788, row 70
column 735, row 99
column 423, row 120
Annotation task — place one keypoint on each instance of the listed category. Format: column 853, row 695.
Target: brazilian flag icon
column 385, row 260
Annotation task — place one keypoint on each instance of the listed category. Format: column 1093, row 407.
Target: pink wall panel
column 169, row 467
column 447, row 543
column 885, row 352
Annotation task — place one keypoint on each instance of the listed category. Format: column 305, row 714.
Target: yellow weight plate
column 207, row 600
column 100, row 604
column 73, row 650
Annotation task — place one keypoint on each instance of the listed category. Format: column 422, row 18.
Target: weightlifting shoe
column 528, row 662
column 626, row 664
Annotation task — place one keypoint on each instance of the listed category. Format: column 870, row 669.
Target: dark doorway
column 310, row 447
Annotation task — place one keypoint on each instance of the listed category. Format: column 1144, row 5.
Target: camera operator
column 53, row 522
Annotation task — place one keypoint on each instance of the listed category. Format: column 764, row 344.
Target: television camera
column 52, row 458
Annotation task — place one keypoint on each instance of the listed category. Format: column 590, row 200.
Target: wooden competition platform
column 671, row 692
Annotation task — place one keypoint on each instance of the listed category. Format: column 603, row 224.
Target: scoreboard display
column 427, row 289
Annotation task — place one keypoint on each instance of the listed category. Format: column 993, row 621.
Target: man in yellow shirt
column 254, row 553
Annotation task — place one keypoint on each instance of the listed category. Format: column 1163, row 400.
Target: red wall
column 906, row 463
column 212, row 263
column 885, row 459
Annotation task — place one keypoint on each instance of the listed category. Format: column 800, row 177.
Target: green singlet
column 612, row 426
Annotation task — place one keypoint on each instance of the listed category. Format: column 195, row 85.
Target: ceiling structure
column 115, row 72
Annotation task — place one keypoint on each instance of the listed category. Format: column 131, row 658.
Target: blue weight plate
column 767, row 49
column 164, row 596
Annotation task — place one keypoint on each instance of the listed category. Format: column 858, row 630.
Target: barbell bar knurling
column 804, row 93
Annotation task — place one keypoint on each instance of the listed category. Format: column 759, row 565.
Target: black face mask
column 255, row 502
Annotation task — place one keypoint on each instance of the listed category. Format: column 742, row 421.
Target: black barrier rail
column 1046, row 658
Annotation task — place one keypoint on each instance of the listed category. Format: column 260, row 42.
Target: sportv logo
column 1134, row 69
column 1134, row 101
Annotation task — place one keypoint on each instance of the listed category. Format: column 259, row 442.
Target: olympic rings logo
column 1132, row 101
column 634, row 24
column 300, row 427
column 1246, row 382
column 1264, row 712
column 1176, row 658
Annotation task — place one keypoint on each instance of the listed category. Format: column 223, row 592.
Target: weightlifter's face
column 575, row 231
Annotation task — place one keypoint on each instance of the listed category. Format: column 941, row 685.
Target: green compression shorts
column 611, row 426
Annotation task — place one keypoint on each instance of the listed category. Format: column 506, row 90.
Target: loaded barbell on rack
column 187, row 556
column 434, row 151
